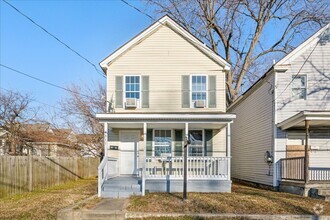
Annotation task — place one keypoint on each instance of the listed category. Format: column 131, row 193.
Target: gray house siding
column 257, row 115
column 252, row 133
column 317, row 70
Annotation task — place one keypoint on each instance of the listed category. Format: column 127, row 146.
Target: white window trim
column 153, row 140
column 124, row 89
column 203, row 141
column 306, row 87
column 192, row 104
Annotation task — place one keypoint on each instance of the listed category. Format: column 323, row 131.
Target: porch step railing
column 198, row 167
column 108, row 168
column 292, row 168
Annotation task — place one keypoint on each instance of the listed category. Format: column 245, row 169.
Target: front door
column 128, row 152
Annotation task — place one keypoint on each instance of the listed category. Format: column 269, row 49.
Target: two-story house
column 281, row 137
column 165, row 89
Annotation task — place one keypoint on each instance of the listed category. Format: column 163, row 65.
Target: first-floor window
column 162, row 142
column 196, row 143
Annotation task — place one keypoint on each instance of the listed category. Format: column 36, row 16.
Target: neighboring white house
column 165, row 86
column 284, row 113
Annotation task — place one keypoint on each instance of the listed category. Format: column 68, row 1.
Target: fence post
column 30, row 170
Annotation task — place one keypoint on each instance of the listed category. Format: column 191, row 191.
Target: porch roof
column 202, row 117
column 205, row 119
column 316, row 118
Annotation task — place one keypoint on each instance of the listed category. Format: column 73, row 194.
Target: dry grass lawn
column 44, row 204
column 243, row 200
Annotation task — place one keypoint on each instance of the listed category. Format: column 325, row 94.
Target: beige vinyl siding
column 165, row 56
column 252, row 133
column 219, row 143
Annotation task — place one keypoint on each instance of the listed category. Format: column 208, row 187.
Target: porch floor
column 121, row 187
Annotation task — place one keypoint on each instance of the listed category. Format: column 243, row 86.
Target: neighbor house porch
column 150, row 148
column 307, row 162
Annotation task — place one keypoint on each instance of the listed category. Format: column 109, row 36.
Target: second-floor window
column 198, row 89
column 299, row 86
column 132, row 87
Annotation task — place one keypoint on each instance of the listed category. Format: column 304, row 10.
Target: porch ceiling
column 316, row 119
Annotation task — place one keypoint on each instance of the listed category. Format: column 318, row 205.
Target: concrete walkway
column 106, row 209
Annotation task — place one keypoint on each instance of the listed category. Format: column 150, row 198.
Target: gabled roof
column 283, row 63
column 169, row 22
column 321, row 35
column 37, row 127
column 63, row 132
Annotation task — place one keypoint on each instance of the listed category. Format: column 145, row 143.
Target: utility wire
column 87, row 96
column 137, row 9
column 56, row 38
column 44, row 81
column 154, row 19
column 52, row 106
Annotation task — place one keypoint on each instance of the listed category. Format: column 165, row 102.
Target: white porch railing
column 108, row 168
column 198, row 167
column 319, row 174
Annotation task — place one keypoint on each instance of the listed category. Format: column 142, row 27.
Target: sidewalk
column 106, row 209
column 116, row 209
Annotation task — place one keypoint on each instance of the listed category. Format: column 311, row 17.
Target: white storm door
column 129, row 141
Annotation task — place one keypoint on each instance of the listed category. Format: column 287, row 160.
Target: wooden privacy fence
column 27, row 173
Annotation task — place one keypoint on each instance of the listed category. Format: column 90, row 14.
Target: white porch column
column 144, row 158
column 105, row 139
column 228, row 150
column 185, row 162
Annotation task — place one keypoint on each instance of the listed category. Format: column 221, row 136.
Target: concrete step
column 102, row 216
column 118, row 195
column 122, row 188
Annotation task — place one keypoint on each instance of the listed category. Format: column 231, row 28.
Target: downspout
column 272, row 92
column 274, row 116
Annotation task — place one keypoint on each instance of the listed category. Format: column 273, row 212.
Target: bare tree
column 15, row 110
column 78, row 112
column 246, row 32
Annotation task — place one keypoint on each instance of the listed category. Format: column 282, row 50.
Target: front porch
column 306, row 168
column 151, row 148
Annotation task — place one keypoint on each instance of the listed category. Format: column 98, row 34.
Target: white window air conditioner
column 131, row 103
column 200, row 103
